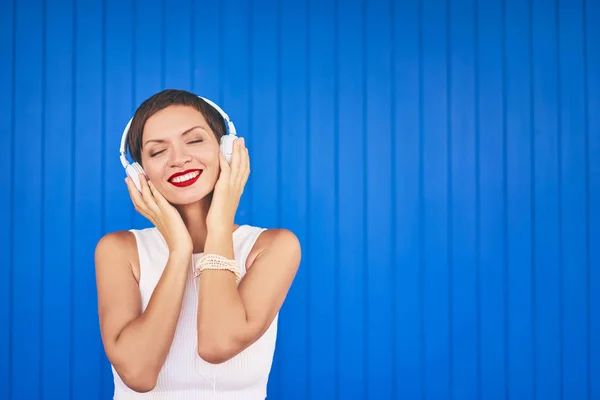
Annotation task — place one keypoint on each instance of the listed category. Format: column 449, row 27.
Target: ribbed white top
column 185, row 375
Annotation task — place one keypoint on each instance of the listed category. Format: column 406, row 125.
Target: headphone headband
column 229, row 128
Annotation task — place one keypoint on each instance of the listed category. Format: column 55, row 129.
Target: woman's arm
column 231, row 318
column 136, row 343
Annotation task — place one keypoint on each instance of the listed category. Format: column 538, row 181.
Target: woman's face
column 180, row 154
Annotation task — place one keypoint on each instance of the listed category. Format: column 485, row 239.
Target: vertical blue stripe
column 393, row 197
column 264, row 127
column 207, row 47
column 7, row 119
column 379, row 269
column 147, row 77
column 120, row 82
column 320, row 249
column 28, row 191
column 292, row 167
column 434, row 137
column 517, row 67
column 492, row 209
column 87, row 209
column 591, row 28
column 545, row 199
column 266, row 134
column 119, row 61
column 336, row 191
column 351, row 342
column 176, row 46
column 477, row 205
column 57, row 234
column 236, row 84
column 148, row 60
column 409, row 342
column 463, row 222
column 573, row 196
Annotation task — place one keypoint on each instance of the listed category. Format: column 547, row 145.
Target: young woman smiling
column 188, row 308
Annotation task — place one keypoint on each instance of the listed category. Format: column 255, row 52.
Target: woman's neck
column 194, row 218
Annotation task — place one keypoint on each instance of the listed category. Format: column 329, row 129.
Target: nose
column 179, row 156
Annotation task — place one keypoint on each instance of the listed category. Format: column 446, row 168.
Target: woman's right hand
column 152, row 205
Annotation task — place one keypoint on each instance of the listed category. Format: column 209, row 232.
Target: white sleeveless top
column 185, row 375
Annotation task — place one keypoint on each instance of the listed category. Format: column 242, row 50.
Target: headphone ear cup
column 227, row 146
column 133, row 171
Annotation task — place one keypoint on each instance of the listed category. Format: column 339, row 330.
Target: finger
column 136, row 197
column 158, row 197
column 240, row 153
column 247, row 161
column 238, row 160
column 244, row 167
column 134, row 193
column 225, row 168
column 246, row 174
column 147, row 195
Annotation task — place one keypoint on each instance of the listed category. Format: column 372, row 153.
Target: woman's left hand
column 229, row 188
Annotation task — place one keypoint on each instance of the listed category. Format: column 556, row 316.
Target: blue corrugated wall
column 439, row 161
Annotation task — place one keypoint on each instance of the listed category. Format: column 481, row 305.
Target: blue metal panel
column 491, row 199
column 29, row 139
column 439, row 162
column 547, row 370
column 292, row 186
column 408, row 285
column 351, row 196
column 591, row 25
column 519, row 200
column 462, row 207
column 58, row 139
column 265, row 135
column 88, row 175
column 377, row 148
column 236, row 82
column 573, row 199
column 7, row 118
column 176, row 52
column 322, row 173
column 118, row 85
column 434, row 197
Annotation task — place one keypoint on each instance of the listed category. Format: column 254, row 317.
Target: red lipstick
column 190, row 179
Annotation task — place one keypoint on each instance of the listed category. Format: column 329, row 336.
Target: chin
column 187, row 197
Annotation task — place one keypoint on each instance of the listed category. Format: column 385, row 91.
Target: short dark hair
column 162, row 100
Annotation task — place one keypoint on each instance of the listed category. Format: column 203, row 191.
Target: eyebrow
column 183, row 134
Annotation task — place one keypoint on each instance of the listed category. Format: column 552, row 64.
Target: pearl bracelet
column 217, row 262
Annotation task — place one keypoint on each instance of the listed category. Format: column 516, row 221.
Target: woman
column 188, row 308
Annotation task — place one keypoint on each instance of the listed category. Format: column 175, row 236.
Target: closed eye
column 196, row 141
column 156, row 153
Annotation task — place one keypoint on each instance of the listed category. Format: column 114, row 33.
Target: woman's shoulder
column 267, row 237
column 118, row 247
column 282, row 239
column 278, row 237
column 127, row 239
column 116, row 240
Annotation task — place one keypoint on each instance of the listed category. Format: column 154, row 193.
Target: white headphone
column 226, row 146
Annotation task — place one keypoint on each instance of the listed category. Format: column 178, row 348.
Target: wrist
column 180, row 256
column 219, row 241
column 219, row 230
